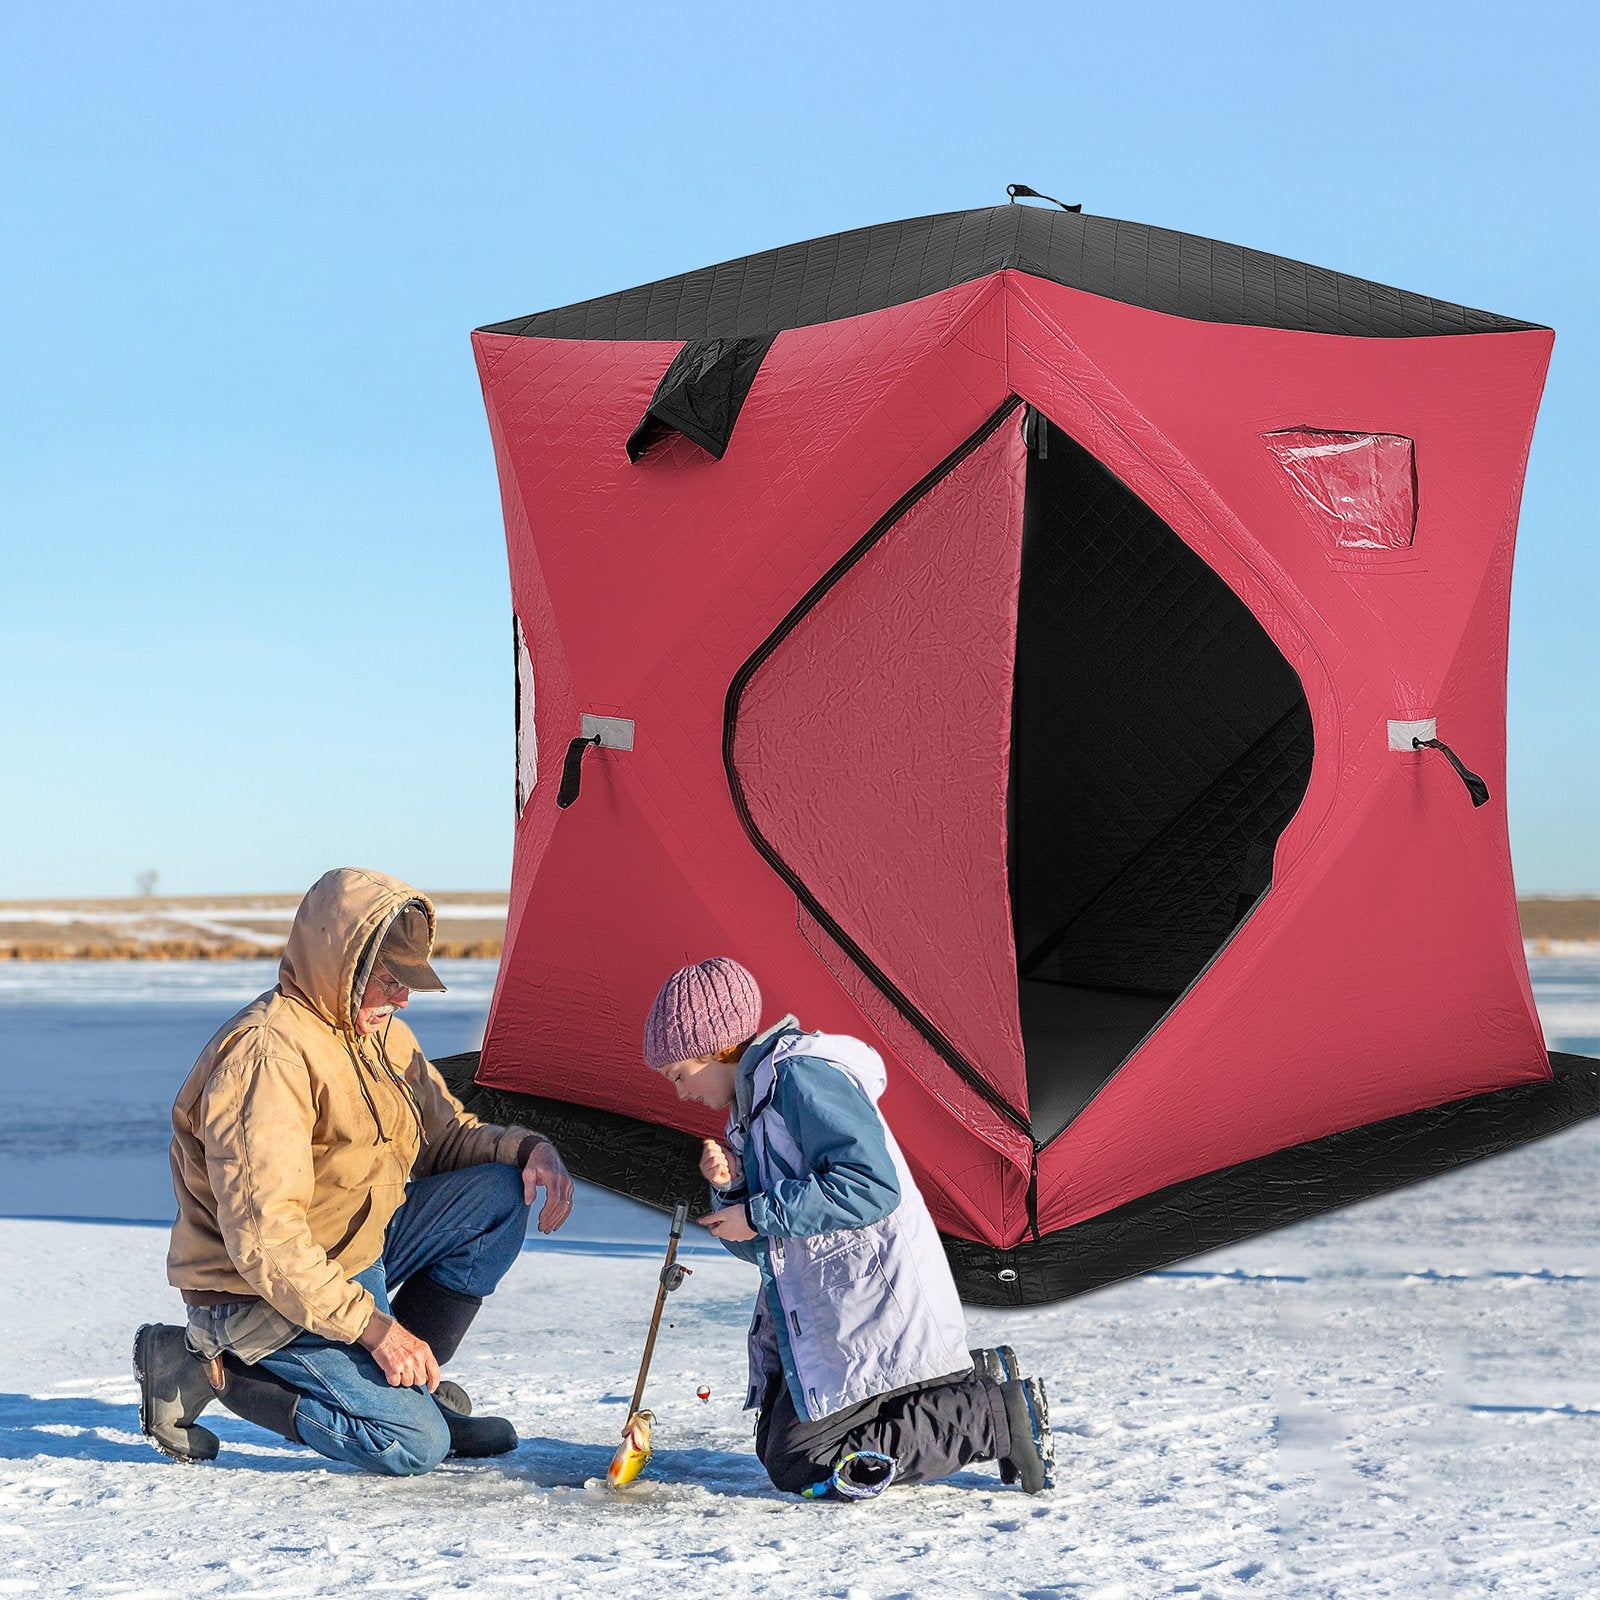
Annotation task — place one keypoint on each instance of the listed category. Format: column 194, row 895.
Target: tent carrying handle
column 1476, row 787
column 572, row 770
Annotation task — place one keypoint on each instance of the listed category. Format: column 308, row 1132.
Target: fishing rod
column 634, row 1453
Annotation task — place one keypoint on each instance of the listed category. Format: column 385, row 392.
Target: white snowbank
column 1398, row 1400
column 224, row 983
column 1534, row 948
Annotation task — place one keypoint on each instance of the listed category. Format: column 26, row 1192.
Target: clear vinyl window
column 527, row 737
column 1363, row 486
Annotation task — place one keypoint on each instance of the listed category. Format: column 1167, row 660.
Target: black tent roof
column 867, row 269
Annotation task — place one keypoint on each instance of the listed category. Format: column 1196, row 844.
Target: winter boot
column 452, row 1397
column 1033, row 1451
column 438, row 1315
column 442, row 1316
column 259, row 1396
column 175, row 1386
column 470, row 1435
column 475, row 1436
column 998, row 1363
column 861, row 1474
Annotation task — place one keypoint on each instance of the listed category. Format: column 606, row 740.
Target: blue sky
column 255, row 602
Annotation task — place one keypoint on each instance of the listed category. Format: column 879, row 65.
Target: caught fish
column 633, row 1454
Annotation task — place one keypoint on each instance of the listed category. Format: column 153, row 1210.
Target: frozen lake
column 92, row 1052
column 1393, row 1401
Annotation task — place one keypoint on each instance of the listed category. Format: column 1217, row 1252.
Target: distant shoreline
column 472, row 926
column 197, row 950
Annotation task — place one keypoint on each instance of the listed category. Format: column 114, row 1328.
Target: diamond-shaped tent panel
column 880, row 790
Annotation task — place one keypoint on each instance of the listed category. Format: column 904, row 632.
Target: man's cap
column 405, row 947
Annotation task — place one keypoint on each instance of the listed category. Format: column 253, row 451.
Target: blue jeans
column 464, row 1229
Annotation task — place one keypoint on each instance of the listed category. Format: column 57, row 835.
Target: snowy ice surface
column 1401, row 1399
column 1397, row 1400
column 1566, row 984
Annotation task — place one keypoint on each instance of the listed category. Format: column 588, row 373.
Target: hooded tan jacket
column 293, row 1137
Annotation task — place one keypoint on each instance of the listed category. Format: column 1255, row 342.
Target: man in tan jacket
column 319, row 1162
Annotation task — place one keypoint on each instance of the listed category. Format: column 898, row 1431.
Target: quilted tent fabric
column 870, row 269
column 1320, row 930
column 847, row 775
column 649, row 586
column 1378, row 874
column 1136, row 858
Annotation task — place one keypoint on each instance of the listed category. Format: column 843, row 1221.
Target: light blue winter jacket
column 856, row 1295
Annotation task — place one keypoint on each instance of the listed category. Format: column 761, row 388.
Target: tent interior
column 1160, row 744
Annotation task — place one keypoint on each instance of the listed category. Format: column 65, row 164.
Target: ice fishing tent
column 1026, row 640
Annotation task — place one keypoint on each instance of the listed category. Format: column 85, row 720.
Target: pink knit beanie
column 701, row 1010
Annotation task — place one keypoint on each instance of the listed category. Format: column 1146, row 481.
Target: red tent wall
column 883, row 787
column 1383, row 971
column 672, row 574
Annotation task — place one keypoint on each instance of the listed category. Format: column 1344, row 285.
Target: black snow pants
column 931, row 1430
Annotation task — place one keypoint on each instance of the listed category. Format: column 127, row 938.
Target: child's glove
column 720, row 1168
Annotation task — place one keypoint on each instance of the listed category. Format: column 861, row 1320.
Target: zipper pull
column 1036, row 433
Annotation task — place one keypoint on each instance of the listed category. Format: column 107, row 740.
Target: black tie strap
column 1476, row 787
column 572, row 770
column 1020, row 191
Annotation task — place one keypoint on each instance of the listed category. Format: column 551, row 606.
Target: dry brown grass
column 159, row 929
column 113, row 949
column 1563, row 917
column 1544, row 918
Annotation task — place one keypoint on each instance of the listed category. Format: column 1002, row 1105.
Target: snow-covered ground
column 1401, row 1399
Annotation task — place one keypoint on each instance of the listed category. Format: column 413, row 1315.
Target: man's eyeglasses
column 387, row 983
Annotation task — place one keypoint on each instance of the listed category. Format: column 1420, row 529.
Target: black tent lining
column 659, row 1166
column 1144, row 808
column 1047, row 947
column 1137, row 1036
column 1220, row 847
column 870, row 269
column 958, row 1063
column 1090, row 1033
